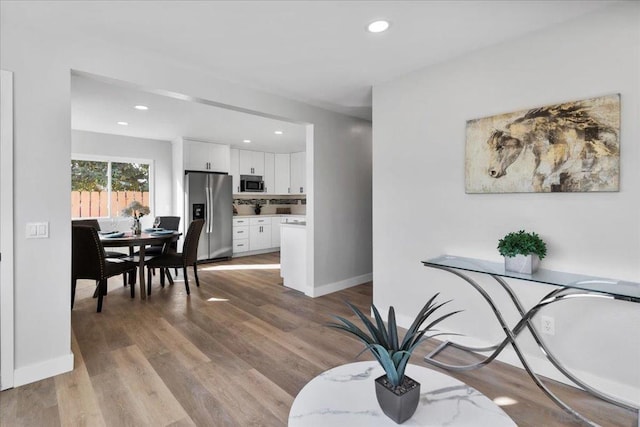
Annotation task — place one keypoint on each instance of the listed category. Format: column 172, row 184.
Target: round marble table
column 345, row 396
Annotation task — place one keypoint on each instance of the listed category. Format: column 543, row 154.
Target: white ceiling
column 313, row 51
column 98, row 106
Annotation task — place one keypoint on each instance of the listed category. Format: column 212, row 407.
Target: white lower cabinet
column 240, row 246
column 240, row 235
column 259, row 233
column 241, row 232
column 260, row 237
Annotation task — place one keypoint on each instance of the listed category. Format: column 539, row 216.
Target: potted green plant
column 522, row 251
column 398, row 395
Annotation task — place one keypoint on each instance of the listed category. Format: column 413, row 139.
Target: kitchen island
column 293, row 256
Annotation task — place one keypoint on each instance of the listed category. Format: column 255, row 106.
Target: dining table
column 131, row 240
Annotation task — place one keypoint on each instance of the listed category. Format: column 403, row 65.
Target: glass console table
column 568, row 286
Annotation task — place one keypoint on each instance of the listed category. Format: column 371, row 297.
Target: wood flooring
column 233, row 353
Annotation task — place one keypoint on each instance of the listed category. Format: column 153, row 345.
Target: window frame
column 116, row 159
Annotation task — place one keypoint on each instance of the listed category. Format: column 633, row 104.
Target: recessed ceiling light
column 378, row 26
column 246, row 141
column 123, row 123
column 278, row 132
column 141, row 107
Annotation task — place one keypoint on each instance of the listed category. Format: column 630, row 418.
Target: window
column 102, row 188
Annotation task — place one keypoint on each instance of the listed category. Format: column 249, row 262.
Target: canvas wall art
column 569, row 147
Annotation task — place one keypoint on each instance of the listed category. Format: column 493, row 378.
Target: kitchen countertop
column 294, row 224
column 266, row 215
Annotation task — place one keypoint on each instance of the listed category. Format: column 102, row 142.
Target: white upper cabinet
column 298, row 172
column 251, row 162
column 269, row 176
column 234, row 169
column 206, row 156
column 282, row 173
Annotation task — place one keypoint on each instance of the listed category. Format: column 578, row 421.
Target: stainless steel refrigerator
column 208, row 197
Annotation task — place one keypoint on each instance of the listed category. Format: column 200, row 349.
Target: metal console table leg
column 560, row 294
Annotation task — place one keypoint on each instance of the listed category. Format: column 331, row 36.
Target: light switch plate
column 37, row 230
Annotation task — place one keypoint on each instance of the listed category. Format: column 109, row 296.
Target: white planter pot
column 524, row 264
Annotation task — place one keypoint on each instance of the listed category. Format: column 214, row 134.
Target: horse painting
column 568, row 147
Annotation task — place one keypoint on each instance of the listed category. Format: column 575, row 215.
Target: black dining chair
column 167, row 223
column 88, row 261
column 109, row 254
column 95, row 224
column 187, row 257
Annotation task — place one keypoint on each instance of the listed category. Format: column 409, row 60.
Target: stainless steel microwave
column 251, row 184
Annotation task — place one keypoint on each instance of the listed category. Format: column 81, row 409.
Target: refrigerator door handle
column 211, row 206
column 207, row 208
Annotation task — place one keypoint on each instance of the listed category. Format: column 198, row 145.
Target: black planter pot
column 257, row 210
column 398, row 403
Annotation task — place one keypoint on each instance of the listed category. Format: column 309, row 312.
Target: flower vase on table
column 137, row 230
column 136, row 210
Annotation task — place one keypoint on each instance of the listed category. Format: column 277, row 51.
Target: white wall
column 421, row 209
column 158, row 152
column 42, row 55
column 341, row 204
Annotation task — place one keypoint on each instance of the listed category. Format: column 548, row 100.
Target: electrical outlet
column 548, row 325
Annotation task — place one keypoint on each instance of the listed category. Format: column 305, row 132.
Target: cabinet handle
column 300, row 189
column 241, row 244
column 288, row 189
column 240, row 232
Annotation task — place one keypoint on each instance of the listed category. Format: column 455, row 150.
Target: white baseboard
column 338, row 286
column 42, row 370
column 623, row 392
column 258, row 252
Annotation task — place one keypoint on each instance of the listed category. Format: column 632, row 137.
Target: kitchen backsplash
column 245, row 204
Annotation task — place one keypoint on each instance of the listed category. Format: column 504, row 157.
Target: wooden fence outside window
column 94, row 204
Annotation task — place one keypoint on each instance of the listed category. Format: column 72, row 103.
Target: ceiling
column 317, row 52
column 98, row 106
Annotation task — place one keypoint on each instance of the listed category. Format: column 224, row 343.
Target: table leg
column 511, row 333
column 143, row 291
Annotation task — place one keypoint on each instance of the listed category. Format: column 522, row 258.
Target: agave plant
column 384, row 343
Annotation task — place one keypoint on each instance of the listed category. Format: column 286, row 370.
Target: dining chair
column 167, row 223
column 187, row 257
column 88, row 261
column 95, row 224
column 109, row 254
